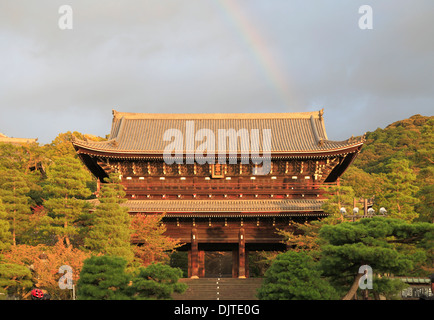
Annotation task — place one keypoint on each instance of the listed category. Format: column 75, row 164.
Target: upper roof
column 142, row 133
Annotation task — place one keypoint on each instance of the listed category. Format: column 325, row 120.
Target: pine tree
column 15, row 279
column 103, row 278
column 400, row 190
column 338, row 197
column 156, row 281
column 13, row 192
column 295, row 276
column 66, row 188
column 5, row 234
column 425, row 207
column 110, row 231
column 387, row 245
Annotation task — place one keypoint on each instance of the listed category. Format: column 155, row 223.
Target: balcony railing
column 220, row 187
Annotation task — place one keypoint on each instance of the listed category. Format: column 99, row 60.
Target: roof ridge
column 219, row 116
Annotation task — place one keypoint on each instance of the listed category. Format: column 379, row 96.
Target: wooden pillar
column 201, row 262
column 194, row 263
column 241, row 254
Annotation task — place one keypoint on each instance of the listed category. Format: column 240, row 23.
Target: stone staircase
column 219, row 289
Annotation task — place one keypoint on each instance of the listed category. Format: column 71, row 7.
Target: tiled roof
column 6, row 139
column 249, row 207
column 142, row 133
column 288, row 207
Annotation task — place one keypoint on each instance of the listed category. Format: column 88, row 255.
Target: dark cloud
column 213, row 56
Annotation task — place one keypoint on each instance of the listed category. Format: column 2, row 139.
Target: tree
column 5, row 234
column 13, row 157
column 15, row 280
column 13, row 190
column 62, row 146
column 156, row 281
column 393, row 157
column 45, row 261
column 425, row 207
column 400, row 190
column 295, row 276
column 148, row 234
column 103, row 278
column 387, row 245
column 337, row 197
column 365, row 185
column 48, row 263
column 304, row 236
column 66, row 187
column 110, row 231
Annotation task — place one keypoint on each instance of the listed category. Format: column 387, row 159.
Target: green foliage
column 382, row 243
column 14, row 279
column 67, row 178
column 295, row 276
column 339, row 196
column 5, row 234
column 103, row 278
column 13, row 190
column 364, row 185
column 110, row 231
column 400, row 190
column 13, row 157
column 62, row 146
column 156, row 281
column 425, row 206
column 396, row 167
column 66, row 188
column 411, row 138
column 388, row 287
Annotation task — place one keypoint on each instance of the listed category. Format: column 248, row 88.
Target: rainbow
column 259, row 49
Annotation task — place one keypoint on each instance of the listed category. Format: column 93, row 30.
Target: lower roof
column 219, row 208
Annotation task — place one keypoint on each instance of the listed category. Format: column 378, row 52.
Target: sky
column 213, row 56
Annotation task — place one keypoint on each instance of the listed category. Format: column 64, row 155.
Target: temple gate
column 216, row 206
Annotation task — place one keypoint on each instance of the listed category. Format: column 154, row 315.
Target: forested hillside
column 396, row 167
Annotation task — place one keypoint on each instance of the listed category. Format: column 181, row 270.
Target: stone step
column 219, row 289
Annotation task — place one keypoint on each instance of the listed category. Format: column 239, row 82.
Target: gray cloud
column 213, row 56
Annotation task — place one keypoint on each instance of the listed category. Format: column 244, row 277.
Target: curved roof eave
column 143, row 153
